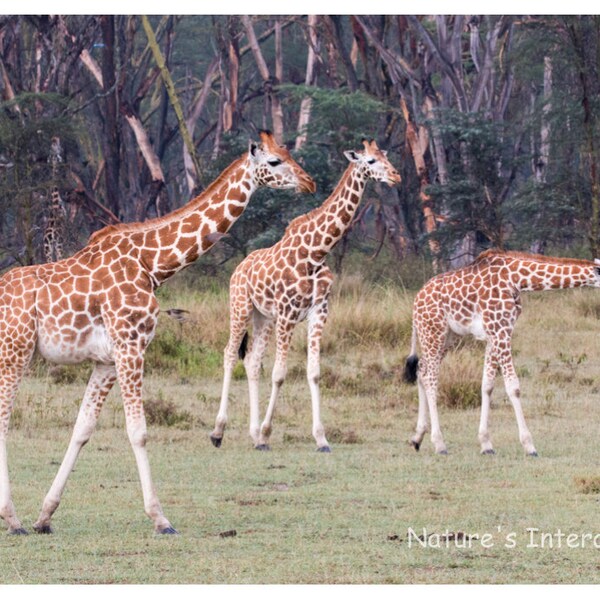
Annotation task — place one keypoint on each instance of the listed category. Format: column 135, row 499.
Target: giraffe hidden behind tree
column 100, row 305
column 484, row 300
column 278, row 287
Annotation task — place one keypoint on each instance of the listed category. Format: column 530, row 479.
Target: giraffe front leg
column 10, row 378
column 129, row 360
column 285, row 329
column 101, row 381
column 511, row 384
column 487, row 386
column 316, row 323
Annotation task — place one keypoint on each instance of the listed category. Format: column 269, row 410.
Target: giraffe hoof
column 489, row 451
column 18, row 531
column 325, row 449
column 44, row 529
column 167, row 531
column 415, row 445
column 534, row 454
column 263, row 447
column 216, row 441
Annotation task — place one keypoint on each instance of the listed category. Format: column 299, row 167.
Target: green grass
column 304, row 517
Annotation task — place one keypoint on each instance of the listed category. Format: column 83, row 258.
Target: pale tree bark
column 263, row 69
column 195, row 112
column 418, row 142
column 309, row 80
column 174, row 99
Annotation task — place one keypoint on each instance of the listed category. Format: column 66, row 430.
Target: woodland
column 493, row 122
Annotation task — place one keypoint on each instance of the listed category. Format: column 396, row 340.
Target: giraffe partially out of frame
column 100, row 305
column 484, row 300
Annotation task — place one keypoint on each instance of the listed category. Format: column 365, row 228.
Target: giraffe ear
column 351, row 156
column 597, row 261
column 384, row 152
column 252, row 149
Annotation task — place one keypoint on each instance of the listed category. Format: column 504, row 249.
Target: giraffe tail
column 243, row 347
column 412, row 362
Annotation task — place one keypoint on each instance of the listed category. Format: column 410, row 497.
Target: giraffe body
column 100, row 305
column 278, row 287
column 484, row 300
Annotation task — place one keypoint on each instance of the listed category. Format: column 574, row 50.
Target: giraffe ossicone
column 278, row 287
column 484, row 300
column 100, row 305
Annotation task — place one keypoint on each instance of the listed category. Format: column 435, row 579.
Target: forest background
column 493, row 122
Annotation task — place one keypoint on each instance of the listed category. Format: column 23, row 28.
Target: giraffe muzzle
column 307, row 185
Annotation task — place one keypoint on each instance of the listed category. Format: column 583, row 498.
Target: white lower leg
column 136, row 430
column 100, row 383
column 221, row 420
column 487, row 387
column 436, row 433
column 7, row 509
column 313, row 373
column 422, row 422
column 514, row 394
column 277, row 379
column 85, row 425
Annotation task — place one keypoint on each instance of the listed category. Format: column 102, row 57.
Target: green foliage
column 480, row 158
column 339, row 120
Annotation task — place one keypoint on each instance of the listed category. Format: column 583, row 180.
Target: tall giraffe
column 99, row 304
column 55, row 213
column 280, row 286
column 484, row 300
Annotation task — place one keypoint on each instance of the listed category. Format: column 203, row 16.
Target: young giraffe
column 100, row 305
column 56, row 214
column 280, row 286
column 484, row 300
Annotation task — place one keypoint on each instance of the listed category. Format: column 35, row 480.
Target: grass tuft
column 588, row 484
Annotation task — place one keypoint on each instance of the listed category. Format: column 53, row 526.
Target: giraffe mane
column 197, row 202
column 492, row 253
column 315, row 212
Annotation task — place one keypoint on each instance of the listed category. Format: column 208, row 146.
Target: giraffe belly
column 91, row 344
column 474, row 326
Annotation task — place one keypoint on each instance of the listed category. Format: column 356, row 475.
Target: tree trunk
column 418, row 143
column 170, row 87
column 309, row 80
column 272, row 97
column 112, row 138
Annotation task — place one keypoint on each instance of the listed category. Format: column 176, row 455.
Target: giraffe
column 99, row 304
column 484, row 300
column 278, row 287
column 56, row 214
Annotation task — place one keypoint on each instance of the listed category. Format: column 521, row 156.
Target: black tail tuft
column 243, row 346
column 410, row 369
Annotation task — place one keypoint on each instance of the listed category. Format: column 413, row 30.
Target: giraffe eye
column 371, row 161
column 274, row 162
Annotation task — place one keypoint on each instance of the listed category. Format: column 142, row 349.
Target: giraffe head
column 274, row 166
column 374, row 163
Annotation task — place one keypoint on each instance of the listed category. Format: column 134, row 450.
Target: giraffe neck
column 171, row 243
column 541, row 273
column 327, row 223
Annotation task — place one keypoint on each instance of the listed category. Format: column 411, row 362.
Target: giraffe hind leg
column 236, row 348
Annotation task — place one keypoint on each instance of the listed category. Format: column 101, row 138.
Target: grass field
column 304, row 517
